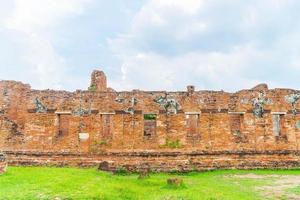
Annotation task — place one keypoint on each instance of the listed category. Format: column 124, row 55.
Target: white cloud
column 213, row 44
column 36, row 15
column 212, row 70
column 45, row 64
column 37, row 21
column 188, row 6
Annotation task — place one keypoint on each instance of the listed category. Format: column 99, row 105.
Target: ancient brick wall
column 100, row 120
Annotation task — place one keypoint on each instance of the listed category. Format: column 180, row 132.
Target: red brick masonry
column 185, row 130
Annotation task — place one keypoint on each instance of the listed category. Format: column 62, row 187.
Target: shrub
column 149, row 116
column 172, row 144
column 92, row 88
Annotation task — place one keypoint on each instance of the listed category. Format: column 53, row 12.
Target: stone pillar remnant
column 98, row 81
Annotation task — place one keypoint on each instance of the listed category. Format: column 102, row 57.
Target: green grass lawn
column 72, row 183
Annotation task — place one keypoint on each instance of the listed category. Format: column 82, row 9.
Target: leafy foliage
column 92, row 88
column 149, row 116
column 172, row 144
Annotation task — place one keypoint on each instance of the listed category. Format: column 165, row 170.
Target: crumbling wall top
column 261, row 87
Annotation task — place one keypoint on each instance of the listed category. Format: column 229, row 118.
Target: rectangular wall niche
column 149, row 125
column 235, row 122
column 278, row 124
column 192, row 126
column 107, row 126
column 63, row 124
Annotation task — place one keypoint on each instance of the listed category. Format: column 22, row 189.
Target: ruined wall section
column 98, row 121
column 13, row 99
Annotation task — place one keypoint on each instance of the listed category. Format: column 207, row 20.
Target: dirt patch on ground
column 254, row 176
column 278, row 187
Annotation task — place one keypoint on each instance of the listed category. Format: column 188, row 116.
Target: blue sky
column 151, row 44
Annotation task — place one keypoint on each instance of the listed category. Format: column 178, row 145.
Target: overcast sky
column 151, row 45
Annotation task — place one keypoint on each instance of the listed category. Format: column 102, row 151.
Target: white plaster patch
column 249, row 122
column 84, row 136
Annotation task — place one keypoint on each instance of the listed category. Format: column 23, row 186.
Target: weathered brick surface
column 87, row 127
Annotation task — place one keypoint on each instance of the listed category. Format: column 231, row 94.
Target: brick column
column 98, row 81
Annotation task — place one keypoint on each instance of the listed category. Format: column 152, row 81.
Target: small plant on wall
column 149, row 117
column 92, row 88
column 236, row 133
column 173, row 144
column 100, row 145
